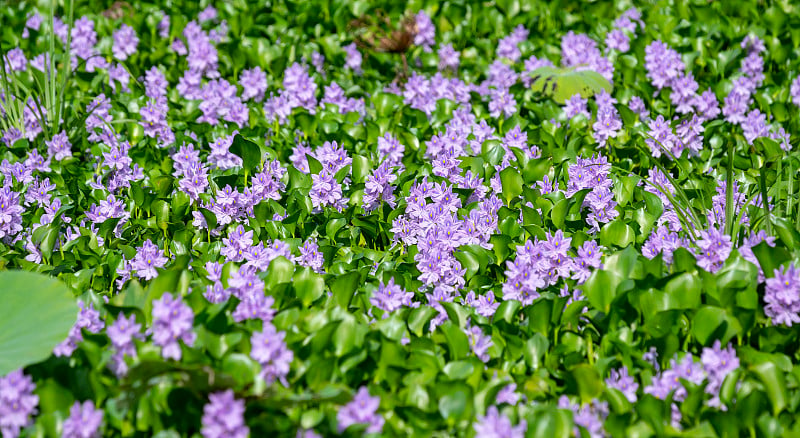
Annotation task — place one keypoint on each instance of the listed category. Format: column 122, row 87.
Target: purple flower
column 172, row 321
column 426, row 31
column 479, row 342
column 269, row 349
column 449, row 58
column 353, row 58
column 508, row 48
column 125, row 42
column 310, row 256
column 378, row 188
column 754, row 126
column 618, row 40
column 254, row 84
column 663, row 64
column 15, row 59
column 148, row 257
column 607, row 124
column 390, row 149
column 589, row 255
column 669, row 380
column 718, row 363
column 326, row 192
column 576, row 105
column 361, row 410
column 735, row 107
column 496, row 425
column 89, row 319
column 223, row 416
column 501, row 102
column 390, row 297
column 59, row 146
column 84, row 421
column 782, row 295
column 17, row 403
column 636, row 104
column 508, row 395
column 714, row 247
column 794, row 91
column 590, row 416
column 485, row 305
column 121, row 334
column 621, row 380
column 684, row 93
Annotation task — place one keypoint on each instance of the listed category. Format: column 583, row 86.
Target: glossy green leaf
column 37, row 314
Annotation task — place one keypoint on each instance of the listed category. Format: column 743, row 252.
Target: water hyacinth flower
column 254, row 84
column 782, row 296
column 496, row 425
column 361, row 410
column 148, row 257
column 172, row 322
column 122, row 334
column 718, row 363
column 479, row 342
column 84, row 421
column 621, row 380
column 223, row 416
column 125, row 42
column 89, row 319
column 17, row 403
column 390, row 297
column 270, row 351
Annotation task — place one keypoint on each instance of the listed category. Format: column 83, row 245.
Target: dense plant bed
column 319, row 218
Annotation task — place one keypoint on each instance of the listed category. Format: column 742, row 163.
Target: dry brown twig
column 377, row 33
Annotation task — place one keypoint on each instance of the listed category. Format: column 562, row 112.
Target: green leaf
column 211, row 218
column 563, row 83
column 770, row 258
column 507, row 311
column 248, row 151
column 617, row 233
column 455, row 400
column 241, row 367
column 459, row 370
column 710, row 323
column 280, row 271
column 419, row 317
column 587, row 380
column 308, row 285
column 550, row 422
column 457, row 340
column 603, row 285
column 512, row 183
column 344, row 287
column 775, row 385
column 37, row 313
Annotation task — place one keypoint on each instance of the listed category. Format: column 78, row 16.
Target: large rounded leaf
column 563, row 83
column 37, row 313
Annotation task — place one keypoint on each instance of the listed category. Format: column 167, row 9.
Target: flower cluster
column 89, row 319
column 782, row 295
column 361, row 410
column 84, row 421
column 270, row 351
column 223, row 416
column 17, row 403
column 122, row 333
column 172, row 321
column 496, row 425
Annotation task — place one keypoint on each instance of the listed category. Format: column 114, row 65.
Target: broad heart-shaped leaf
column 563, row 83
column 249, row 152
column 37, row 313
